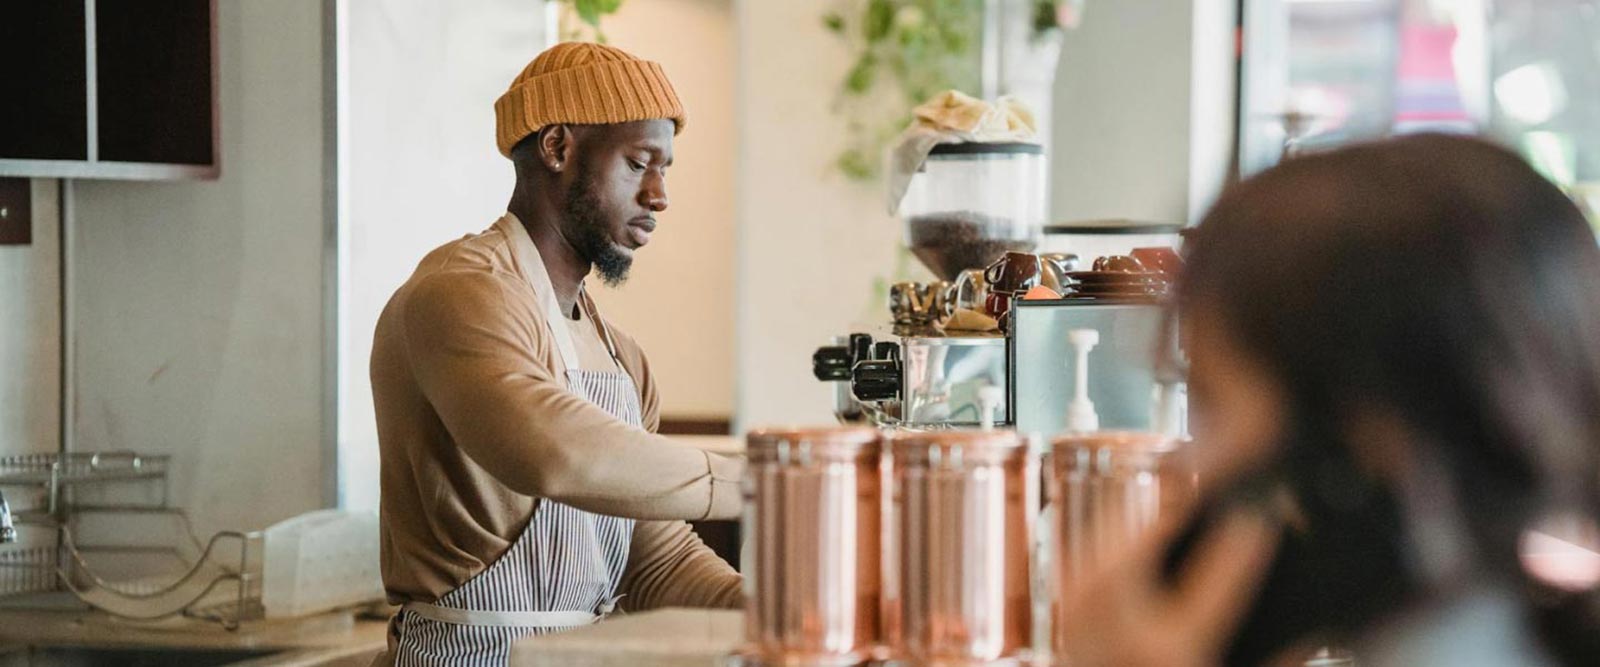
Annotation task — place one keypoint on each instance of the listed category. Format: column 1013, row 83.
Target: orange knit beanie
column 584, row 84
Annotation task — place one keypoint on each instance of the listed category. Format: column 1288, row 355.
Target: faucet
column 8, row 530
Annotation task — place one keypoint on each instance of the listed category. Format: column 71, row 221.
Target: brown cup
column 1120, row 264
column 1160, row 260
column 1015, row 273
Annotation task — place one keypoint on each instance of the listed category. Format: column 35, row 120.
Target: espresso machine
column 979, row 346
column 968, row 204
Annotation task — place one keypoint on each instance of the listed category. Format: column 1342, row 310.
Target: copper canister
column 1107, row 489
column 813, row 510
column 957, row 590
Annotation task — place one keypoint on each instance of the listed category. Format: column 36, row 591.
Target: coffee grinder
column 968, row 205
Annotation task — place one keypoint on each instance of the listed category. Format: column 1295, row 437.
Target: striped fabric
column 566, row 560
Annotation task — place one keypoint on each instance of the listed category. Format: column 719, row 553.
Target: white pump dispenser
column 1081, row 416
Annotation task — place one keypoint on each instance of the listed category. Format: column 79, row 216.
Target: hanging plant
column 1054, row 15
column 905, row 52
column 588, row 13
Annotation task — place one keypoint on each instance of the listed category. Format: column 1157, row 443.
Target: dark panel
column 722, row 536
column 694, row 426
column 154, row 75
column 43, row 102
column 16, row 212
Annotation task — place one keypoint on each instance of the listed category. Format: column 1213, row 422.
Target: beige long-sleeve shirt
column 475, row 425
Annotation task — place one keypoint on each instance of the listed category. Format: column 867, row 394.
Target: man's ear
column 556, row 147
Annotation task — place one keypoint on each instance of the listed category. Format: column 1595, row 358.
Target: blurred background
column 215, row 302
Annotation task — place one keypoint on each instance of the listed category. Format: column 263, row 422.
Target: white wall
column 1143, row 106
column 421, row 167
column 679, row 301
column 810, row 243
column 30, row 346
column 30, row 349
column 198, row 307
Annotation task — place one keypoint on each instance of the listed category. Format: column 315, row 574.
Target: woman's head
column 1433, row 285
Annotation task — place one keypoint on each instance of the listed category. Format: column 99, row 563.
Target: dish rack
column 147, row 562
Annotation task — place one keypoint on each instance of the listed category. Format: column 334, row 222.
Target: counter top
column 660, row 638
column 716, row 444
column 326, row 639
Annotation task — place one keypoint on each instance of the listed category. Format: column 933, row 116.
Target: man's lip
column 639, row 231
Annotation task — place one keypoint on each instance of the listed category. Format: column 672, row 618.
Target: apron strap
column 502, row 619
column 599, row 324
column 539, row 279
column 554, row 319
column 512, row 619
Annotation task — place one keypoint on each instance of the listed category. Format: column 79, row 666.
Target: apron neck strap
column 593, row 314
column 555, row 319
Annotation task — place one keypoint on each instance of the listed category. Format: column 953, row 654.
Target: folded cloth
column 967, row 319
column 953, row 117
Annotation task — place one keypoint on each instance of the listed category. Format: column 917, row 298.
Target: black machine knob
column 860, row 347
column 886, row 350
column 876, row 380
column 832, row 363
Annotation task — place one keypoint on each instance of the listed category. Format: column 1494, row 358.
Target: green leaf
column 588, row 11
column 861, row 74
column 853, row 163
column 834, row 23
column 880, row 17
column 610, row 6
column 1044, row 16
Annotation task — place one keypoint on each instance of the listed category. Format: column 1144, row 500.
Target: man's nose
column 654, row 195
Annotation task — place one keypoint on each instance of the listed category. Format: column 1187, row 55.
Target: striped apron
column 562, row 572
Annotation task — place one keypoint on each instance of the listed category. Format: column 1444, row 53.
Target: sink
column 82, row 656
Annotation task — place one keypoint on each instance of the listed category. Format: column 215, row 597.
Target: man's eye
column 635, row 165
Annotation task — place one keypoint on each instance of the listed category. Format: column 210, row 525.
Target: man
column 523, row 488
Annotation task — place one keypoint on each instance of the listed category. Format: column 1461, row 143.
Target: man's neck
column 562, row 262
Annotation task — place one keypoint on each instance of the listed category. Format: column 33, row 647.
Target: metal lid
column 987, row 148
column 1129, row 441
column 804, row 445
column 1108, row 450
column 958, row 447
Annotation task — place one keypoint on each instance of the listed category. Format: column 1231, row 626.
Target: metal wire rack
column 157, row 570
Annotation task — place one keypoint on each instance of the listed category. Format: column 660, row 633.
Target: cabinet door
column 44, row 113
column 153, row 74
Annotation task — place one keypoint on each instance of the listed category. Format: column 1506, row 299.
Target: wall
column 30, row 349
column 421, row 167
column 199, row 305
column 678, row 302
column 1143, row 111
column 810, row 243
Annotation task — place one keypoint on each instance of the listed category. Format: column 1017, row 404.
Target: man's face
column 620, row 183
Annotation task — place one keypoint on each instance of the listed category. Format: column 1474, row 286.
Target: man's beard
column 591, row 237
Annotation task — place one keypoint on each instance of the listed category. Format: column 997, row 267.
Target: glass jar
column 971, row 203
column 813, row 512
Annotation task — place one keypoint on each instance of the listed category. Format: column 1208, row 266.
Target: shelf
column 81, row 468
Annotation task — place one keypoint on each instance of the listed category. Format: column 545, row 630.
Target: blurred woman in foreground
column 1403, row 340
